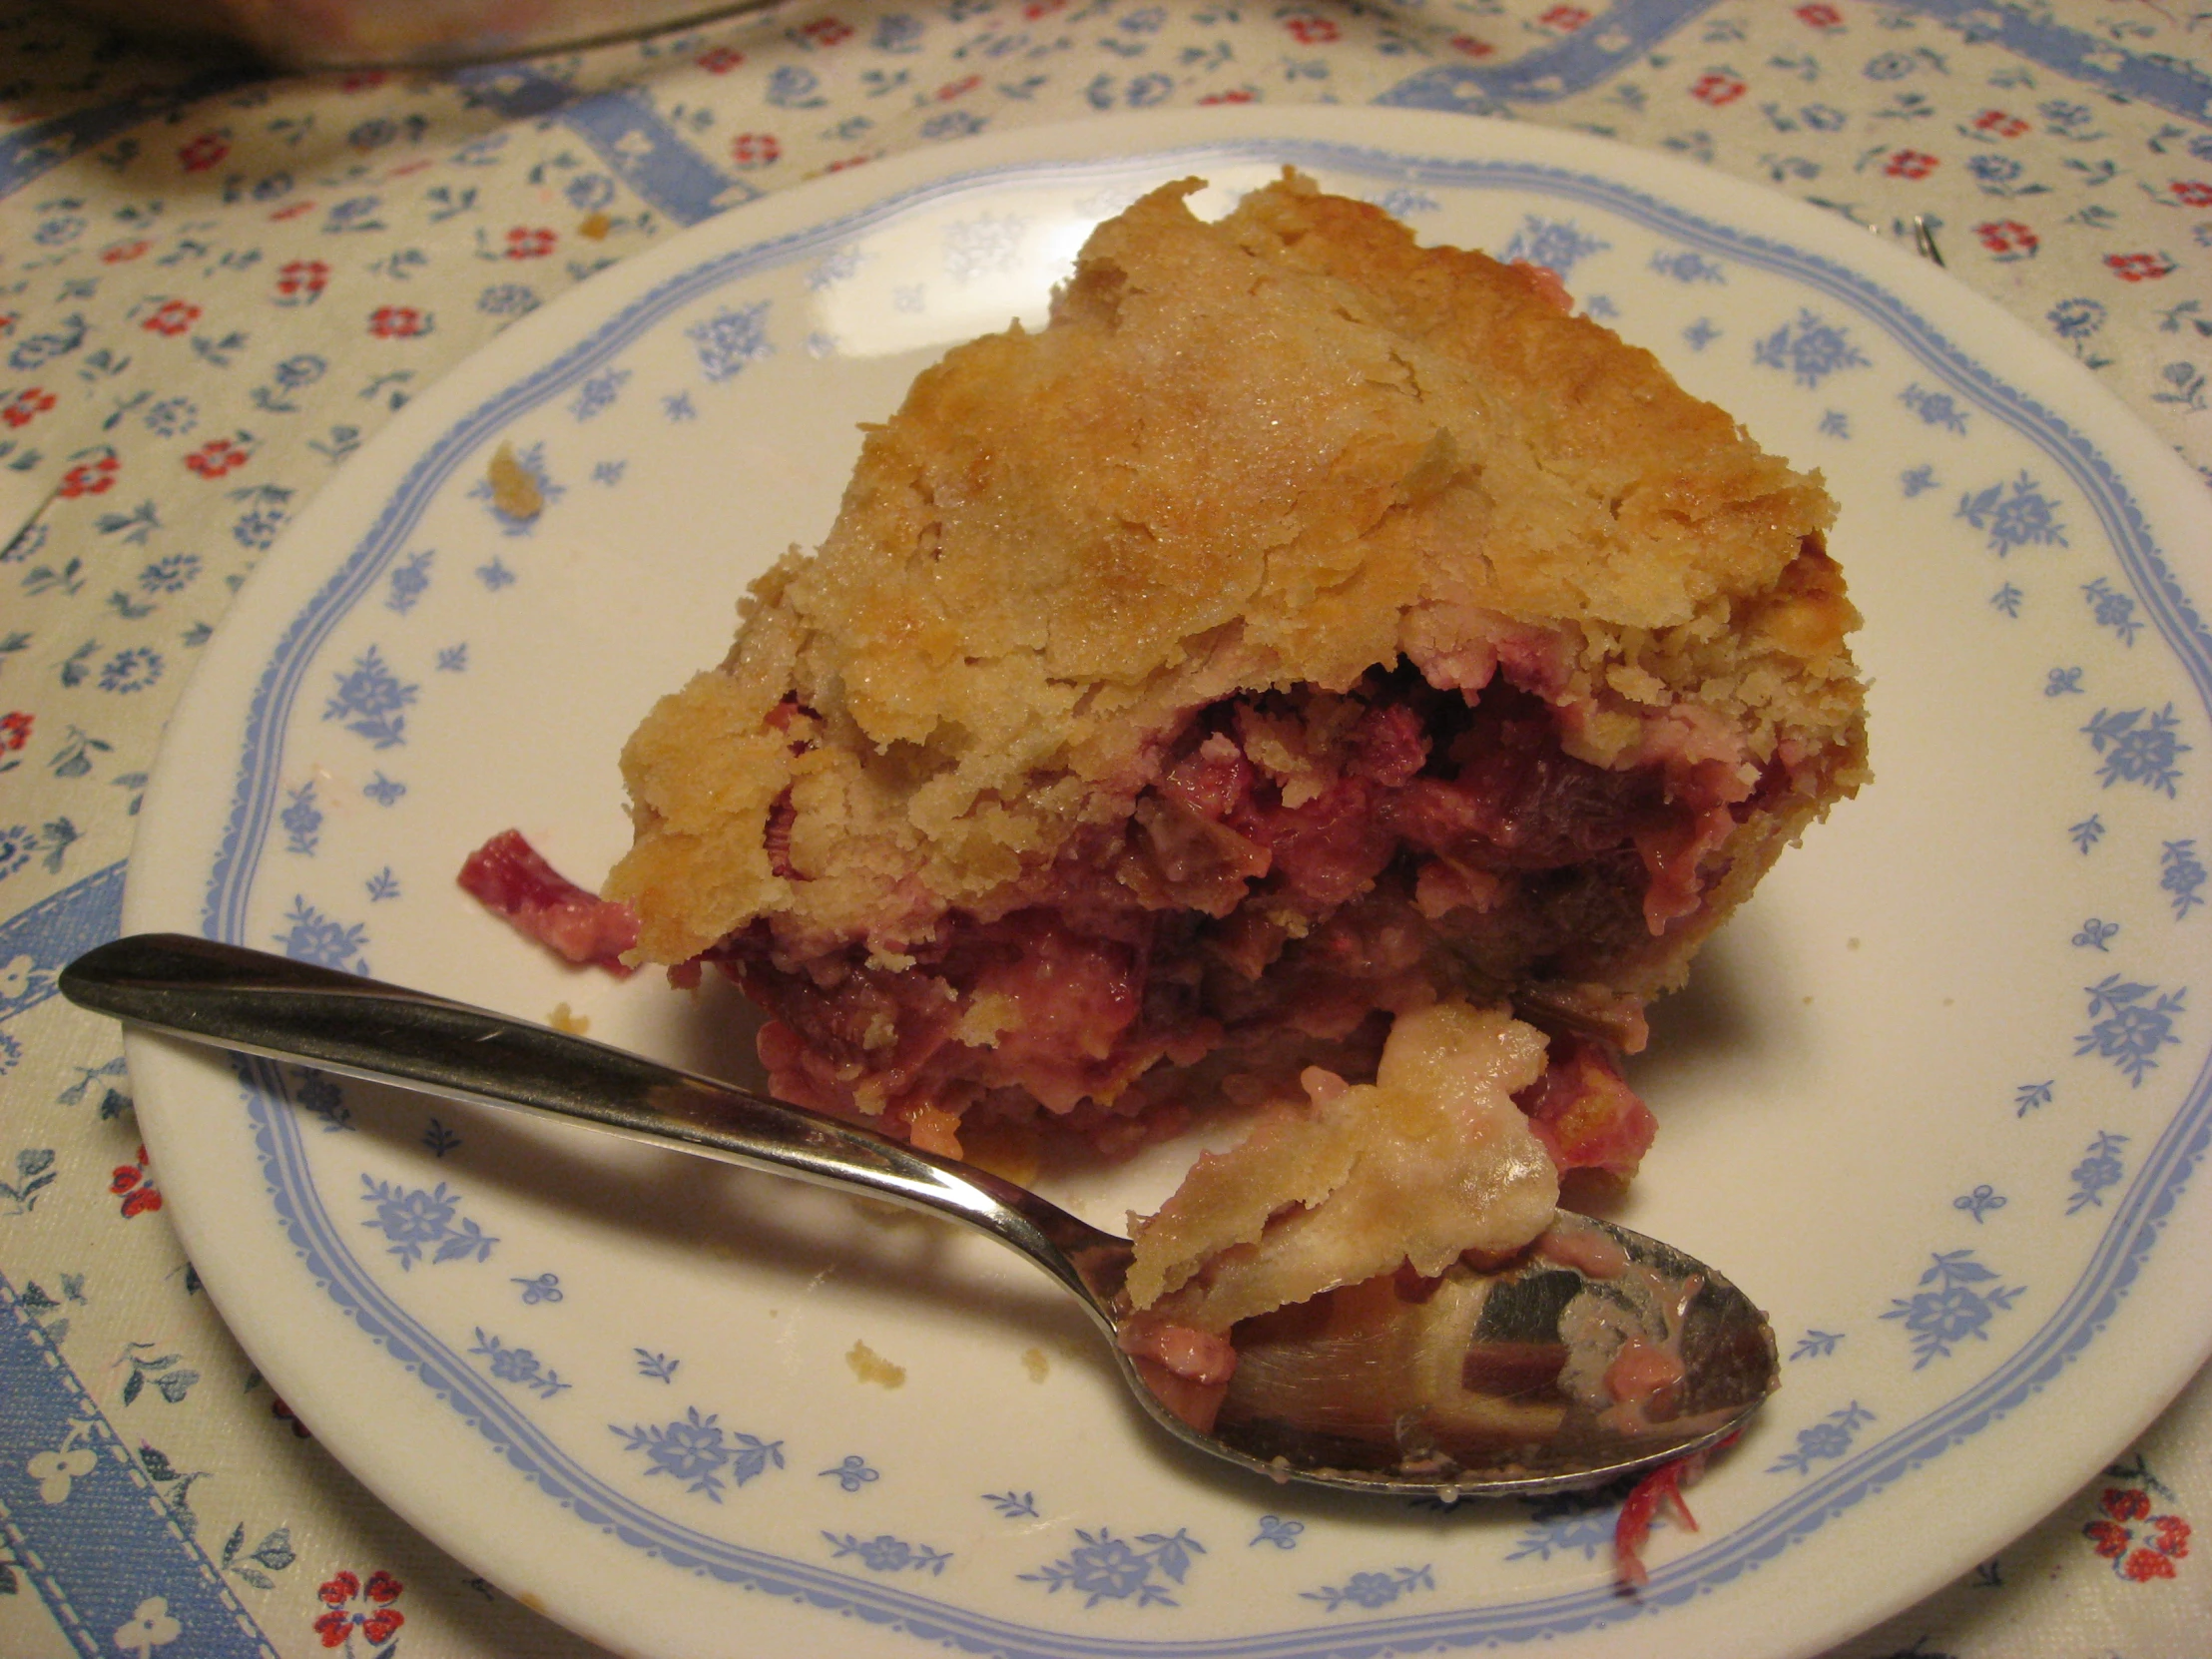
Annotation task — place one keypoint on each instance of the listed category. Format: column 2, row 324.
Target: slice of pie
column 1305, row 629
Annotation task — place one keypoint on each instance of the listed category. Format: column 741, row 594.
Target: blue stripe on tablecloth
column 1613, row 41
column 101, row 1550
column 623, row 128
column 57, row 928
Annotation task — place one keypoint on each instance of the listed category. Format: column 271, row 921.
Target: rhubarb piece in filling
column 1306, row 629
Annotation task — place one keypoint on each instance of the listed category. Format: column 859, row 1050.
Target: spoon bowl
column 1594, row 1352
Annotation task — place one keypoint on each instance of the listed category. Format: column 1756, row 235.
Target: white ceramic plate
column 1935, row 1099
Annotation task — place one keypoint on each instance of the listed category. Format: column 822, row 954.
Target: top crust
column 1282, row 448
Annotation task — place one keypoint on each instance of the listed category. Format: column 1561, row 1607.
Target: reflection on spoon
column 1592, row 1353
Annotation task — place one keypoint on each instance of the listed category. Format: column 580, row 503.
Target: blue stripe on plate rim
column 2121, row 1250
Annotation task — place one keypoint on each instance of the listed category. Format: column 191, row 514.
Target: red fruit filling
column 1297, row 867
column 509, row 877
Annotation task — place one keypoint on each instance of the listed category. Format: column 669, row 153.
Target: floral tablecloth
column 215, row 284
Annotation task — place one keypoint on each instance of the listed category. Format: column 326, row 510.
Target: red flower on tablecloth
column 398, row 322
column 292, row 211
column 848, row 162
column 1037, row 9
column 1470, row 46
column 1819, row 16
column 284, row 1413
column 2138, row 268
column 529, row 242
column 1909, row 163
column 1234, row 95
column 1717, row 86
column 754, row 149
column 15, row 732
column 219, row 457
column 2008, row 238
column 1999, row 123
column 2140, row 1544
column 93, row 477
column 26, row 405
column 718, row 60
column 123, row 253
column 1312, row 31
column 2195, row 192
column 299, row 281
column 362, row 79
column 172, row 317
column 958, row 89
column 200, row 153
column 825, row 31
column 1567, row 19
column 379, row 1622
column 135, row 1187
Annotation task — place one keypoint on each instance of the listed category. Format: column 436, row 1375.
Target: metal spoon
column 1480, row 1383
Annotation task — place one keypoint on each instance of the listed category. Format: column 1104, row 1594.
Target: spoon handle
column 231, row 998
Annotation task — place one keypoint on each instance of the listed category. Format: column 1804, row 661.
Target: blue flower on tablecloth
column 16, row 843
column 172, row 417
column 589, row 192
column 792, row 87
column 28, row 541
column 171, row 573
column 42, row 348
column 952, row 124
column 355, row 213
column 132, row 670
column 899, row 32
column 2076, row 319
column 506, row 299
column 258, row 529
column 1994, row 170
column 1889, row 66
